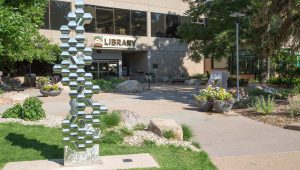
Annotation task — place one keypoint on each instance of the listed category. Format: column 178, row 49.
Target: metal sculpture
column 81, row 130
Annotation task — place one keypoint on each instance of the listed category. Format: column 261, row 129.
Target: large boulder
column 130, row 86
column 159, row 126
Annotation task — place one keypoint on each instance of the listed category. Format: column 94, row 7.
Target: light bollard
column 81, row 130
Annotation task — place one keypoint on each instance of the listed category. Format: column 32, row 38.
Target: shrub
column 32, row 109
column 196, row 144
column 14, row 112
column 168, row 134
column 111, row 120
column 1, row 91
column 294, row 106
column 42, row 80
column 108, row 85
column 149, row 142
column 140, row 126
column 261, row 105
column 50, row 87
column 126, row 132
column 296, row 89
column 187, row 132
column 112, row 137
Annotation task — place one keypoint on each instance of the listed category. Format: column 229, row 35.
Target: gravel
column 50, row 121
column 138, row 138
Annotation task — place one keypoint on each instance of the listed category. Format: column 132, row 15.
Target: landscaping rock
column 293, row 126
column 191, row 82
column 130, row 119
column 130, row 86
column 49, row 121
column 159, row 126
column 138, row 138
column 263, row 87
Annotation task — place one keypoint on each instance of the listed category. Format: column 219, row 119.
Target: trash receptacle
column 30, row 80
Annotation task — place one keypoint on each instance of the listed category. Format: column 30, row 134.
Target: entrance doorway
column 104, row 69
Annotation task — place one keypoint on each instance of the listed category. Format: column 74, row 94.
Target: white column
column 120, row 68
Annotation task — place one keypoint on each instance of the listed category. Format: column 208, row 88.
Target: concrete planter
column 221, row 106
column 204, row 106
column 50, row 93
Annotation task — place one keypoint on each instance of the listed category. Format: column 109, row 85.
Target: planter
column 204, row 106
column 221, row 106
column 50, row 93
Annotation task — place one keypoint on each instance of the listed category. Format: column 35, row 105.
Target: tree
column 19, row 36
column 267, row 26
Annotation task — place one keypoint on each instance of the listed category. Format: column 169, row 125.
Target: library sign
column 110, row 41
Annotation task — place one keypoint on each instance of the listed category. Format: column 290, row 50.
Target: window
column 92, row 26
column 166, row 25
column 104, row 20
column 138, row 23
column 158, row 24
column 56, row 14
column 122, row 21
column 172, row 22
column 247, row 63
column 155, row 66
column 116, row 21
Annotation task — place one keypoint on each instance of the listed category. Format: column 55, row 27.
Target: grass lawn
column 21, row 143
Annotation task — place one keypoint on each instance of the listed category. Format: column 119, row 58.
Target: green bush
column 50, row 87
column 294, row 106
column 296, row 89
column 108, row 85
column 261, row 105
column 196, row 144
column 126, row 132
column 148, row 142
column 140, row 126
column 112, row 137
column 187, row 132
column 1, row 91
column 168, row 134
column 111, row 120
column 14, row 112
column 32, row 109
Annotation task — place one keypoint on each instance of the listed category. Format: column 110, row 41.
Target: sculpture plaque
column 81, row 130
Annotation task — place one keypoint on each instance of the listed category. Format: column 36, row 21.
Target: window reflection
column 139, row 23
column 122, row 21
column 104, row 20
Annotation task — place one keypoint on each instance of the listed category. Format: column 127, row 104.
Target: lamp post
column 237, row 15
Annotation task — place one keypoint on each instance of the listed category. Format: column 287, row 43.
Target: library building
column 130, row 38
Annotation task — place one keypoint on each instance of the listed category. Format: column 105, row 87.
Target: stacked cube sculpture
column 81, row 131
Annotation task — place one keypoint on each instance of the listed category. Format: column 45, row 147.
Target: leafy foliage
column 32, row 109
column 111, row 120
column 294, row 106
column 261, row 105
column 14, row 112
column 140, row 126
column 284, row 63
column 113, row 137
column 168, row 134
column 126, row 131
column 50, row 87
column 19, row 36
column 267, row 26
column 108, row 85
column 187, row 132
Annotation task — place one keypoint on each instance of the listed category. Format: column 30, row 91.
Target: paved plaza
column 226, row 138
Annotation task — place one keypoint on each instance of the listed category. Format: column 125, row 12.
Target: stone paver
column 108, row 163
column 220, row 135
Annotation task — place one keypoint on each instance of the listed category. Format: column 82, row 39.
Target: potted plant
column 223, row 101
column 204, row 101
column 50, row 90
column 41, row 81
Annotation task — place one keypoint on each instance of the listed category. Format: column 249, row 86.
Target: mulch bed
column 279, row 118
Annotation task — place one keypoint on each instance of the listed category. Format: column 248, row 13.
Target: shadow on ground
column 47, row 151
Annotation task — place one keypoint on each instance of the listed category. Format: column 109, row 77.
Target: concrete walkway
column 220, row 135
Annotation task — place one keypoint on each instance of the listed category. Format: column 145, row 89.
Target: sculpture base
column 80, row 158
